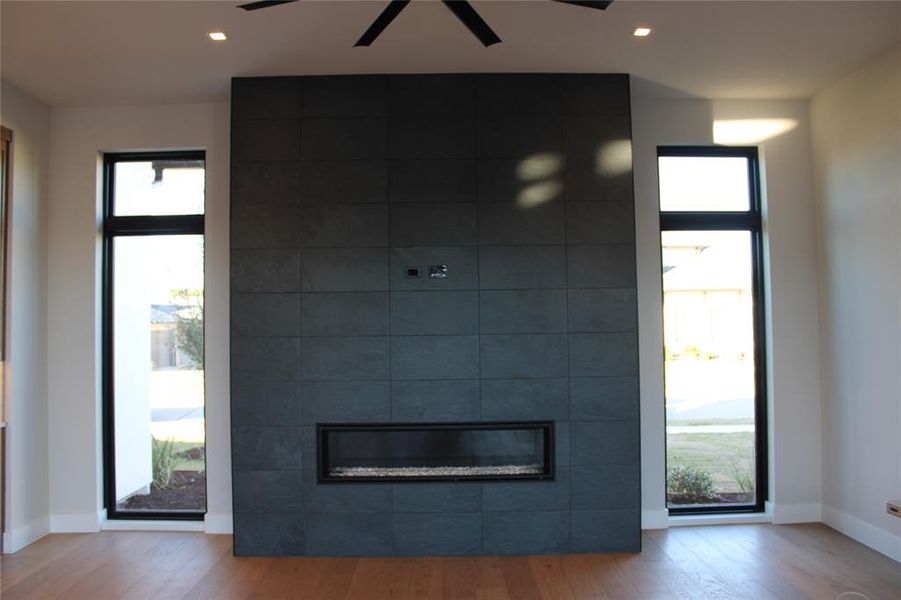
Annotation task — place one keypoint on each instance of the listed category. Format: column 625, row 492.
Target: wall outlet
column 893, row 507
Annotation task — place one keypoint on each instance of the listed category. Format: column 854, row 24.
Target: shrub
column 163, row 456
column 690, row 483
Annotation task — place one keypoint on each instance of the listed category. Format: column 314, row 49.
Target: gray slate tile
column 511, row 224
column 345, row 96
column 349, row 535
column 604, row 398
column 512, row 356
column 345, row 313
column 265, row 359
column 604, row 443
column 265, row 270
column 261, row 448
column 344, row 181
column 265, row 98
column 345, row 401
column 269, row 535
column 431, row 137
column 427, row 95
column 434, row 401
column 600, row 222
column 522, row 267
column 528, row 495
column 272, row 315
column 601, row 266
column 268, row 492
column 606, row 530
column 602, row 311
column 354, row 138
column 345, row 358
column 434, row 313
column 433, row 180
column 344, row 269
column 437, row 498
column 603, row 354
column 543, row 532
column 525, row 399
column 261, row 403
column 446, row 534
column 265, row 140
column 435, row 357
column 522, row 311
column 433, row 224
column 343, row 225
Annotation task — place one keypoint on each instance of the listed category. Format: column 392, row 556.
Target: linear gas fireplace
column 435, row 451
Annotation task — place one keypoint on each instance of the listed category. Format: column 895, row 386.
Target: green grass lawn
column 720, row 454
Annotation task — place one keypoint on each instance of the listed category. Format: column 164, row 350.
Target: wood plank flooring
column 716, row 562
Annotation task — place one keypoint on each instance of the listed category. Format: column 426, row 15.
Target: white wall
column 27, row 508
column 78, row 136
column 857, row 154
column 664, row 117
column 134, row 453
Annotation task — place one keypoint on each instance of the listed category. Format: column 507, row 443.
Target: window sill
column 150, row 525
column 722, row 519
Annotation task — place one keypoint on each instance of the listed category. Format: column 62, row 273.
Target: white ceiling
column 110, row 53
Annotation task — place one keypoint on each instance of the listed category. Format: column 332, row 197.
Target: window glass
column 158, row 187
column 158, row 373
column 704, row 183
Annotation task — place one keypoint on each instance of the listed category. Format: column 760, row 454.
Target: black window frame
column 751, row 221
column 123, row 226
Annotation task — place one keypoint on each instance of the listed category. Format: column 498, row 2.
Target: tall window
column 153, row 335
column 710, row 230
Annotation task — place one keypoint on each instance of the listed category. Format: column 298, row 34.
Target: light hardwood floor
column 736, row 561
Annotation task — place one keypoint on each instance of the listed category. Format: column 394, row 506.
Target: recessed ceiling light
column 218, row 36
column 642, row 32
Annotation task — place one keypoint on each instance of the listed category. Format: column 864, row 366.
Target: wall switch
column 412, row 273
column 438, row 272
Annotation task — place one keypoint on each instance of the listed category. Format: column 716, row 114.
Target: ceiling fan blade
column 381, row 22
column 468, row 15
column 598, row 4
column 264, row 4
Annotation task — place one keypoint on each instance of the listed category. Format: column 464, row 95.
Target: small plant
column 744, row 476
column 164, row 456
column 690, row 484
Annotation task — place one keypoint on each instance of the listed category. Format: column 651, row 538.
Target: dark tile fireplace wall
column 522, row 186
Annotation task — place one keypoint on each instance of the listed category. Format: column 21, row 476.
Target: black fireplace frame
column 546, row 427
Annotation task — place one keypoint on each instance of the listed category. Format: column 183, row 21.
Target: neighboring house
column 164, row 350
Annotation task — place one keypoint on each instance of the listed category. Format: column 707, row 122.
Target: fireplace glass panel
column 435, row 451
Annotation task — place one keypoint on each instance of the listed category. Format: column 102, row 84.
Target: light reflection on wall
column 540, row 174
column 614, row 158
column 750, row 131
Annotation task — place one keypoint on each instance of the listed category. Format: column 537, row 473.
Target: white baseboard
column 878, row 539
column 783, row 514
column 655, row 519
column 78, row 523
column 218, row 523
column 18, row 537
column 714, row 519
column 151, row 525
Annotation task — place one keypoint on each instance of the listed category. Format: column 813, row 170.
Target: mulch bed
column 187, row 491
column 722, row 498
